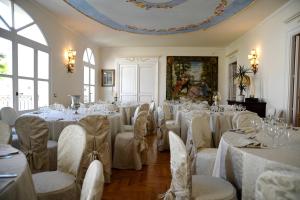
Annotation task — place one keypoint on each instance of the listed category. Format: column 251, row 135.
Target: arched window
column 24, row 60
column 89, row 76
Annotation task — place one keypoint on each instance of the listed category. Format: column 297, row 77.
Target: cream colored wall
column 271, row 38
column 60, row 38
column 109, row 55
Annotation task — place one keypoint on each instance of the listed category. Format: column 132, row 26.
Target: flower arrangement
column 241, row 79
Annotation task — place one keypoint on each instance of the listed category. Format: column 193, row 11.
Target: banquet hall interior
column 149, row 99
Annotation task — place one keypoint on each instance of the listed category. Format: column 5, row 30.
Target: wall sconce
column 70, row 57
column 253, row 60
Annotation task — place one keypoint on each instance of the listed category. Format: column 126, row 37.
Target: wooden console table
column 257, row 107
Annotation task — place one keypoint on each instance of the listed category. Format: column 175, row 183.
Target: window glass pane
column 43, row 93
column 3, row 25
column 92, row 61
column 5, row 7
column 89, row 52
column 5, row 57
column 92, row 81
column 33, row 33
column 26, row 94
column 43, row 65
column 86, row 75
column 25, row 61
column 86, row 94
column 85, row 56
column 6, row 93
column 92, row 88
column 21, row 17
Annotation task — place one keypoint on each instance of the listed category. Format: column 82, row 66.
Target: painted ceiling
column 159, row 17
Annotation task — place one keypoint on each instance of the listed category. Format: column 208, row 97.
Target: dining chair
column 202, row 153
column 163, row 131
column 151, row 125
column 5, row 135
column 237, row 115
column 283, row 184
column 63, row 183
column 245, row 119
column 9, row 116
column 97, row 148
column 187, row 186
column 131, row 147
column 33, row 134
column 93, row 182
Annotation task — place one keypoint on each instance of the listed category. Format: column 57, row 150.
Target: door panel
column 146, row 83
column 128, row 83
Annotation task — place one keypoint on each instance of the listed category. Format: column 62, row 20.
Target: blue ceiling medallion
column 147, row 5
column 220, row 11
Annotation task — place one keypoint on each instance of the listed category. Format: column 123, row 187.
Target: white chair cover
column 174, row 125
column 181, row 184
column 162, row 131
column 244, row 120
column 200, row 151
column 61, row 184
column 97, row 128
column 237, row 115
column 93, row 182
column 5, row 136
column 8, row 115
column 185, row 187
column 151, row 125
column 278, row 185
column 131, row 146
column 167, row 111
column 33, row 137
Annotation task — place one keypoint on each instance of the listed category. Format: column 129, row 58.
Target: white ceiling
column 216, row 36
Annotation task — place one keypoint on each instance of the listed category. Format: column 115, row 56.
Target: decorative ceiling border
column 148, row 5
column 221, row 12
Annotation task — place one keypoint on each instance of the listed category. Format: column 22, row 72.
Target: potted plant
column 242, row 80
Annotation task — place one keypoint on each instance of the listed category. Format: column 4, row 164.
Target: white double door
column 138, row 79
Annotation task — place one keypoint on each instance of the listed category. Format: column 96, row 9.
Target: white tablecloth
column 20, row 187
column 242, row 166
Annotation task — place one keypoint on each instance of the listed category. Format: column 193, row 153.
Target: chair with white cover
column 5, row 135
column 202, row 154
column 172, row 122
column 281, row 184
column 237, row 115
column 9, row 116
column 130, row 147
column 62, row 183
column 162, row 131
column 93, row 182
column 244, row 120
column 186, row 186
column 151, row 125
column 97, row 129
column 33, row 136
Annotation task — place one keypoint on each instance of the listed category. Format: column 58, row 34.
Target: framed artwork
column 108, row 77
column 192, row 77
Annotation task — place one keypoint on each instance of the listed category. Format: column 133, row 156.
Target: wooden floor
column 146, row 184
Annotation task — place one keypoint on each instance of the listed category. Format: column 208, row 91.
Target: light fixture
column 253, row 60
column 70, row 60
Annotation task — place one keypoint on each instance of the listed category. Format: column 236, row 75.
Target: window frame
column 90, row 66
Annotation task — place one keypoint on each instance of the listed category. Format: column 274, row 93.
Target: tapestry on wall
column 192, row 77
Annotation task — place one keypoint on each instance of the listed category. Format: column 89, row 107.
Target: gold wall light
column 70, row 56
column 253, row 60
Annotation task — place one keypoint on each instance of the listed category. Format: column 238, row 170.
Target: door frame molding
column 289, row 82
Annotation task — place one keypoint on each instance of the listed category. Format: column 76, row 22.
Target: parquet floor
column 146, row 184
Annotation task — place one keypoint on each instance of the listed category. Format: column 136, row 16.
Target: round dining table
column 241, row 163
column 19, row 184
